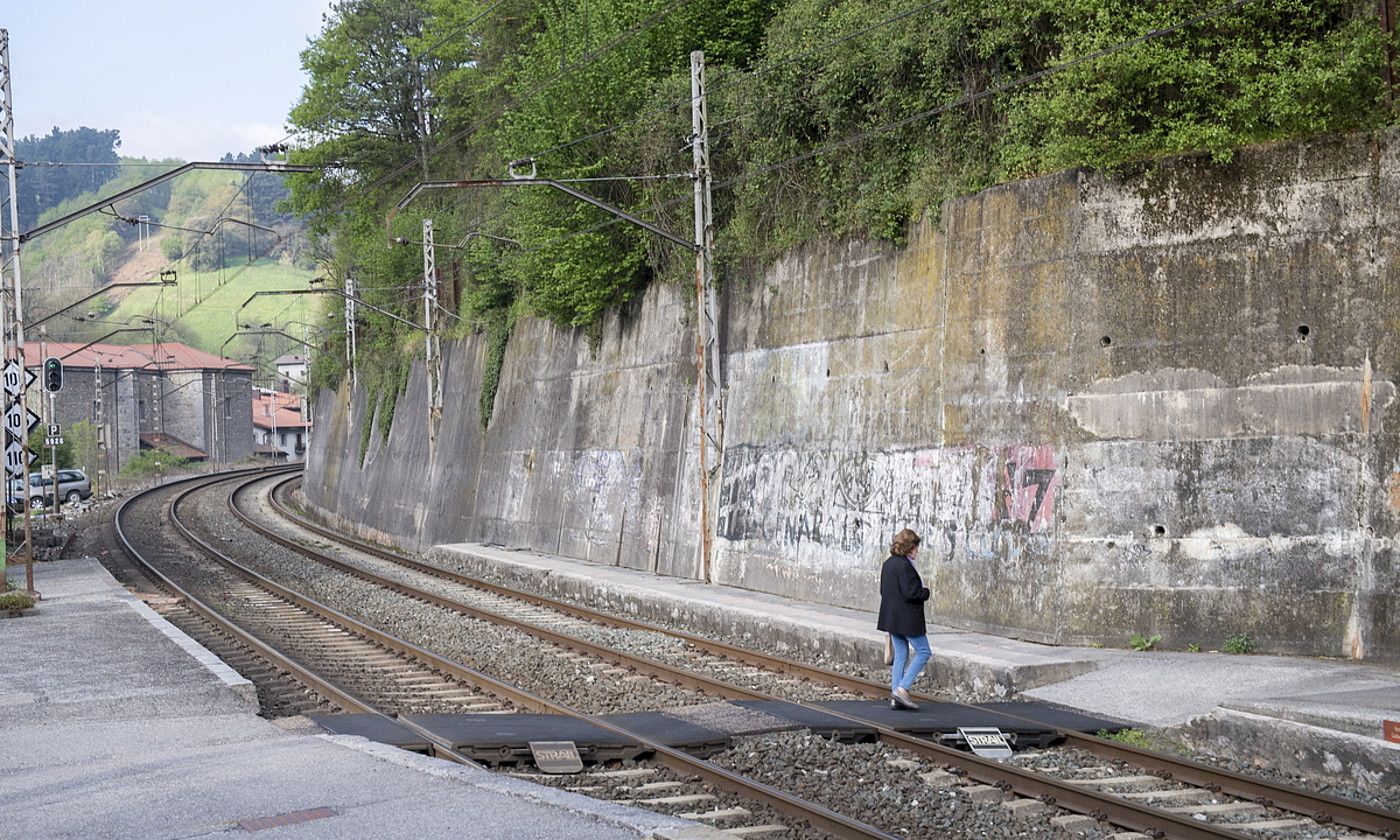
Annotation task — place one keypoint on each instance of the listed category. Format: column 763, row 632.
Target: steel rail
column 1048, row 789
column 818, row 816
column 1121, row 812
column 1320, row 807
column 323, row 687
column 326, row 688
column 669, row 673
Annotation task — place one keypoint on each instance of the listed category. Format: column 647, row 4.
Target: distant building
column 281, row 430
column 170, row 397
column 291, row 373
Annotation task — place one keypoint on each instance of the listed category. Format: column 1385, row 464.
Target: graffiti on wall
column 852, row 501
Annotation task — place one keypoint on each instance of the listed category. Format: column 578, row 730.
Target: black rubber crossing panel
column 505, row 739
column 673, row 732
column 375, row 728
column 940, row 721
column 801, row 716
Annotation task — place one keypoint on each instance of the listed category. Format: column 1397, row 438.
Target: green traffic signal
column 53, row 374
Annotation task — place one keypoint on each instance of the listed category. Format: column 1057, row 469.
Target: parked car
column 73, row 486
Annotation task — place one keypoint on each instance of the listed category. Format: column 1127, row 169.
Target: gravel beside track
column 279, row 695
column 638, row 782
column 884, row 786
column 509, row 655
column 898, row 792
column 651, row 645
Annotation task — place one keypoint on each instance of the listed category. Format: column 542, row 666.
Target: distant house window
column 283, row 436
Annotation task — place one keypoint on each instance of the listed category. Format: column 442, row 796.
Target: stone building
column 280, row 429
column 165, row 396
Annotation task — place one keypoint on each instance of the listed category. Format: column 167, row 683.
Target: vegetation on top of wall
column 828, row 117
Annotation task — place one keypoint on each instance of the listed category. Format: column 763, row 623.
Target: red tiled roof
column 282, row 411
column 163, row 356
column 172, row 445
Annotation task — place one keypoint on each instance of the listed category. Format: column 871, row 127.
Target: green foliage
column 1153, row 740
column 151, row 462
column 16, row 600
column 41, row 454
column 81, row 441
column 1239, row 643
column 498, row 337
column 43, row 188
column 1193, row 648
column 1140, row 642
column 841, row 133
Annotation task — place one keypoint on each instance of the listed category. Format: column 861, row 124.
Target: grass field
column 201, row 310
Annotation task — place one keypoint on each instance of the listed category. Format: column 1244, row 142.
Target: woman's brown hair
column 904, row 542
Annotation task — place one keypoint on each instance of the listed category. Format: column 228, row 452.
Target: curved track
column 266, row 612
column 542, row 615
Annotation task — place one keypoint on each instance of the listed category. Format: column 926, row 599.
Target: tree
column 42, row 188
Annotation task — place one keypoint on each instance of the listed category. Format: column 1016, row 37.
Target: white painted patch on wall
column 1187, row 404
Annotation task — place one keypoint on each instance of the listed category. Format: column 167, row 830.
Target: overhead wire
column 581, row 62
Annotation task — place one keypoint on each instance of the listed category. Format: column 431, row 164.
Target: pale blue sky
column 190, row 80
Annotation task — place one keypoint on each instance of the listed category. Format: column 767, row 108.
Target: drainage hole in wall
column 1303, row 332
column 1105, row 341
column 1111, row 544
column 828, row 373
column 887, row 367
column 1159, row 530
column 982, row 352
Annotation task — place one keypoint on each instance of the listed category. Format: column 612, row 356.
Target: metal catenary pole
column 13, row 285
column 710, row 396
column 350, row 328
column 433, row 352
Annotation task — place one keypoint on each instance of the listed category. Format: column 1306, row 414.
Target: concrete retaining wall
column 1157, row 403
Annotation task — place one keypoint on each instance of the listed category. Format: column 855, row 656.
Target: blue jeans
column 905, row 671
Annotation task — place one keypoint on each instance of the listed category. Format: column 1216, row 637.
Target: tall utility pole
column 12, row 319
column 710, row 396
column 433, row 352
column 350, row 327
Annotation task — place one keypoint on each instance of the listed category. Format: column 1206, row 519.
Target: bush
column 1239, row 643
column 1140, row 642
column 16, row 600
column 151, row 462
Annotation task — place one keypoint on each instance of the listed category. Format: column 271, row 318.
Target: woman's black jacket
column 902, row 597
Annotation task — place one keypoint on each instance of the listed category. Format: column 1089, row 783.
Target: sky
column 191, row 79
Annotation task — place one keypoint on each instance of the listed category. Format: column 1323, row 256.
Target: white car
column 73, row 486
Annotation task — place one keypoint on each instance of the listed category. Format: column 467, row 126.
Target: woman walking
column 902, row 597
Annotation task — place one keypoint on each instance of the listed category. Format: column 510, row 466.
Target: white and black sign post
column 12, row 312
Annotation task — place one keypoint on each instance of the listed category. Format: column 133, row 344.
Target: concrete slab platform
column 972, row 662
column 112, row 729
column 1333, row 709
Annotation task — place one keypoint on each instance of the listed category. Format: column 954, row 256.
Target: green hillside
column 197, row 231
column 201, row 311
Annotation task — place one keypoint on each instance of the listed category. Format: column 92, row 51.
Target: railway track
column 1149, row 799
column 268, row 617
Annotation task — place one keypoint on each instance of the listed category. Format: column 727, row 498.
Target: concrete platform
column 1319, row 716
column 111, row 728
